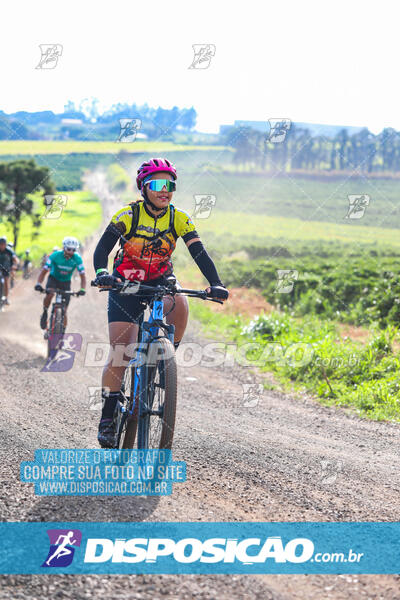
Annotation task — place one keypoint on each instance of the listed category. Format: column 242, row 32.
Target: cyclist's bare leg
column 178, row 316
column 120, row 333
column 47, row 300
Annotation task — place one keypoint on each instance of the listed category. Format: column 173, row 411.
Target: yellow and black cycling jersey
column 146, row 249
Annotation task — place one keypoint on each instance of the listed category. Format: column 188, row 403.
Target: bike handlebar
column 57, row 291
column 164, row 289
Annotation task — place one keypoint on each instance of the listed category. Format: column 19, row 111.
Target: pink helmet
column 154, row 165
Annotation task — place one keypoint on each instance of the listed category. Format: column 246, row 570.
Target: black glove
column 81, row 292
column 218, row 291
column 105, row 280
column 38, row 287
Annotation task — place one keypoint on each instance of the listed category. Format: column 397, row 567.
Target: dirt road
column 283, row 459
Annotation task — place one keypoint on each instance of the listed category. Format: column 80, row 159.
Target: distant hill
column 11, row 129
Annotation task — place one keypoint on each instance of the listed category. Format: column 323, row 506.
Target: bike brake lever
column 215, row 300
column 102, row 289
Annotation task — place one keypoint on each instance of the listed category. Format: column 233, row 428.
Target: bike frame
column 148, row 332
column 58, row 302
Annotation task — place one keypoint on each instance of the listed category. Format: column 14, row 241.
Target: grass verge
column 309, row 355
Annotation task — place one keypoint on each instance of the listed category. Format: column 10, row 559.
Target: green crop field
column 35, row 147
column 249, row 228
column 345, row 272
column 294, row 197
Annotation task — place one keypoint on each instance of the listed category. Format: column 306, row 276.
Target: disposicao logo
column 190, row 550
column 62, row 542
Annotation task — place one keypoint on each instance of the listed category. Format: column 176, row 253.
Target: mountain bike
column 149, row 386
column 55, row 329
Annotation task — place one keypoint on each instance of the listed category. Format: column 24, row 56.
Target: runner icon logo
column 62, row 542
column 64, row 347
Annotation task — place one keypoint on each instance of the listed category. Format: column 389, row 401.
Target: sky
column 309, row 61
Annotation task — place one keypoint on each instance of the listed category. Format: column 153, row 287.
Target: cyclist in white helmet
column 60, row 265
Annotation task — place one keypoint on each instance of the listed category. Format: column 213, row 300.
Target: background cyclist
column 27, row 265
column 60, row 266
column 16, row 264
column 145, row 256
column 8, row 262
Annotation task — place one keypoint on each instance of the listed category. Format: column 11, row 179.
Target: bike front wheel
column 55, row 329
column 157, row 408
column 127, row 434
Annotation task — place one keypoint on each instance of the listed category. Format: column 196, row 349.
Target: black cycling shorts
column 5, row 270
column 128, row 308
column 54, row 283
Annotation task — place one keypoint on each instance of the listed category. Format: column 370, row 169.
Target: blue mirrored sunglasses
column 156, row 185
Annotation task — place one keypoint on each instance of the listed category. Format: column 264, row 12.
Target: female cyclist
column 147, row 231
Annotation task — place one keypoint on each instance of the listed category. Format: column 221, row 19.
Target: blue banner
column 252, row 548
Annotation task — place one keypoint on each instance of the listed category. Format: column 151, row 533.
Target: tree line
column 362, row 151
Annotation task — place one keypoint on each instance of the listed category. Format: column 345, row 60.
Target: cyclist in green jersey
column 60, row 266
